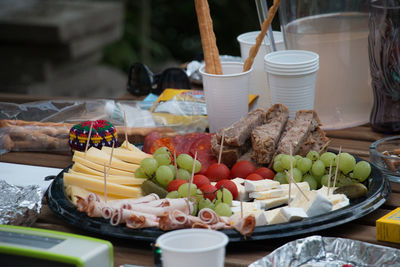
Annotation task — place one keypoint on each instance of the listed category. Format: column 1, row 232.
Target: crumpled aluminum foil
column 19, row 205
column 329, row 252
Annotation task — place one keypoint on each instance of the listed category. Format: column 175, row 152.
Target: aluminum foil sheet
column 330, row 252
column 19, row 205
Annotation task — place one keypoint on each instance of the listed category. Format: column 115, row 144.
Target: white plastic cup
column 291, row 76
column 193, row 248
column 258, row 84
column 227, row 95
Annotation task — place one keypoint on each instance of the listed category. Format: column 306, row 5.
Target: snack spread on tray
column 271, row 170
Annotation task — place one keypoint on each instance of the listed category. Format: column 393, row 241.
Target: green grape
column 183, row 190
column 278, row 166
column 324, row 180
column 197, row 166
column 318, row 179
column 183, row 174
column 304, row 164
column 327, row 157
column 278, row 157
column 205, row 203
column 199, row 195
column 164, row 175
column 161, row 150
column 311, row 181
column 140, row 174
column 347, row 162
column 313, row 155
column 173, row 194
column 285, row 160
column 224, row 196
column 149, row 166
column 185, row 161
column 195, row 208
column 173, row 169
column 297, row 157
column 297, row 175
column 163, row 159
column 361, row 171
column 223, row 209
column 280, row 177
column 318, row 168
column 343, row 180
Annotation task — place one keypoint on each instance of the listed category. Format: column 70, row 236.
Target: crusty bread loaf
column 297, row 133
column 239, row 132
column 316, row 140
column 264, row 138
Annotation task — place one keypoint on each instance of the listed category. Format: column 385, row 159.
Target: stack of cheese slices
column 118, row 164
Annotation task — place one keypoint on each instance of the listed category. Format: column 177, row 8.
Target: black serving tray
column 378, row 192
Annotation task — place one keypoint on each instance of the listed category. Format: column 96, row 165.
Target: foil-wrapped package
column 19, row 205
column 330, row 252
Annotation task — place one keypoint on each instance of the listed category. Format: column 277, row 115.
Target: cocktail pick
column 241, row 208
column 105, row 183
column 337, row 166
column 292, row 180
column 191, row 178
column 221, row 146
column 126, row 130
column 88, row 138
column 290, row 176
column 329, row 175
column 176, row 165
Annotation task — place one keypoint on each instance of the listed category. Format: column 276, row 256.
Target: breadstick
column 208, row 40
column 264, row 27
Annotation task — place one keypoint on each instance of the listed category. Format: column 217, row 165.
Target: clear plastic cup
column 193, row 248
column 338, row 32
column 291, row 76
column 227, row 95
column 258, row 84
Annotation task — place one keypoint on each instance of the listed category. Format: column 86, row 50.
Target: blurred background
column 84, row 48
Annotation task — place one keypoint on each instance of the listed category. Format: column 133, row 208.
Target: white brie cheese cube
column 293, row 213
column 260, row 185
column 272, row 202
column 275, row 216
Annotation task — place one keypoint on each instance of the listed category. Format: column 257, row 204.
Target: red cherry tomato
column 254, row 177
column 242, row 169
column 217, row 172
column 199, row 180
column 228, row 184
column 175, row 184
column 265, row 173
column 209, row 191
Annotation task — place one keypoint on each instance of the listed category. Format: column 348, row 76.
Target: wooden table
column 355, row 140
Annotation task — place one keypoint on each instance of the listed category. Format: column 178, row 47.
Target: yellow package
column 388, row 227
column 180, row 106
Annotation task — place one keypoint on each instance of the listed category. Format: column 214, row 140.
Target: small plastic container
column 384, row 153
column 193, row 248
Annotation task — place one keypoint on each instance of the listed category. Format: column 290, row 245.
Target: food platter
column 378, row 191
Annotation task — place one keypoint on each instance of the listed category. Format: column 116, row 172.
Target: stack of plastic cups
column 291, row 77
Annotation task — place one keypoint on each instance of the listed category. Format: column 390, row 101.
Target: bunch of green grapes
column 314, row 169
column 161, row 170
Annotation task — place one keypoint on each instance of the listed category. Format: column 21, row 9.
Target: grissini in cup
column 208, row 40
column 264, row 27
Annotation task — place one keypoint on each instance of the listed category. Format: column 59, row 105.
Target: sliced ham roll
column 175, row 219
column 246, row 225
column 141, row 220
column 208, row 216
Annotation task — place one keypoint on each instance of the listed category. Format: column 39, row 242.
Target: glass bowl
column 385, row 154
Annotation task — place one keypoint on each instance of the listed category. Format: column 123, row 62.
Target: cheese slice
column 293, row 214
column 261, row 185
column 132, row 147
column 270, row 203
column 282, row 190
column 98, row 167
column 127, row 155
column 125, row 180
column 275, row 216
column 75, row 191
column 92, row 184
column 316, row 204
column 338, row 201
column 242, row 194
column 100, row 157
column 247, row 206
